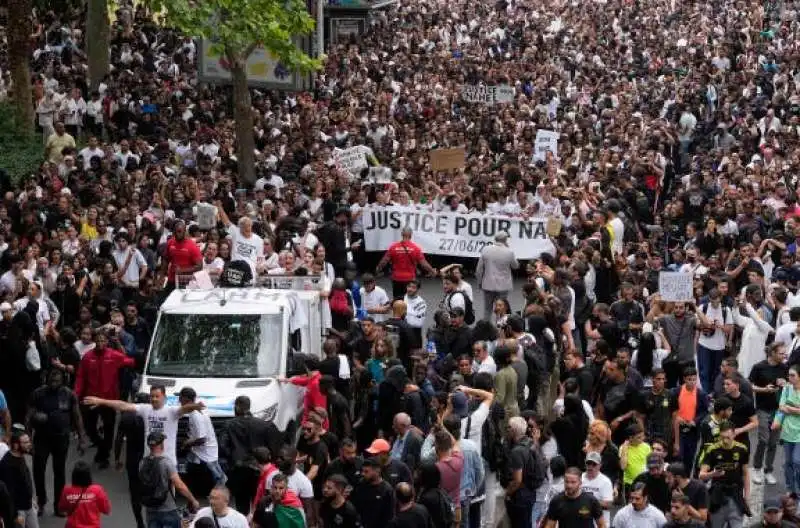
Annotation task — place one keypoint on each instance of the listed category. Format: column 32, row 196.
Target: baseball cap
column 457, row 312
column 460, row 404
column 6, row 307
column 155, row 438
column 772, row 505
column 372, row 462
column 594, row 457
column 654, row 461
column 379, row 446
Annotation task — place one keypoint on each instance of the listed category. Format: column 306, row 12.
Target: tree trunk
column 97, row 41
column 19, row 53
column 243, row 115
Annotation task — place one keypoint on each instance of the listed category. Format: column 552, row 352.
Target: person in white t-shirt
column 202, row 439
column 223, row 515
column 156, row 415
column 374, row 298
column 296, row 480
column 212, row 263
column 483, row 362
column 599, row 485
column 245, row 245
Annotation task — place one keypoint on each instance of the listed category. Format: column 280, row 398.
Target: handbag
column 32, row 360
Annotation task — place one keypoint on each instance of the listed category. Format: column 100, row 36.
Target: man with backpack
column 454, row 298
column 522, row 474
column 495, row 272
column 159, row 475
column 716, row 325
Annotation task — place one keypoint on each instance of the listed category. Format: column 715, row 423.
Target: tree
column 19, row 56
column 97, row 40
column 236, row 28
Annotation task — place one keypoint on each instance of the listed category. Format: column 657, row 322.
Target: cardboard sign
column 675, row 286
column 553, row 227
column 447, row 159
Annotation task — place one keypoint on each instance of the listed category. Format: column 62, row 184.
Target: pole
column 321, row 27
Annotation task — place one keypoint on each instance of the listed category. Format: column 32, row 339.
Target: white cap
column 6, row 307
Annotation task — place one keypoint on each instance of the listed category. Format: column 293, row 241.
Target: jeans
column 493, row 494
column 708, row 366
column 43, row 447
column 489, row 297
column 243, row 482
column 728, row 515
column 135, row 489
column 213, row 467
column 767, row 441
column 163, row 519
column 520, row 513
column 474, row 514
column 539, row 511
column 398, row 289
column 792, row 466
column 104, row 442
column 688, row 446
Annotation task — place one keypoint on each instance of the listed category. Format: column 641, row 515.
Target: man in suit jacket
column 408, row 442
column 495, row 272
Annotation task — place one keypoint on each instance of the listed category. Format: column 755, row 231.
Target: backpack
column 535, row 472
column 537, row 362
column 469, row 310
column 155, row 486
column 447, row 508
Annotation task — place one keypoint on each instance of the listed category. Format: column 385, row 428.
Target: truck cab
column 230, row 342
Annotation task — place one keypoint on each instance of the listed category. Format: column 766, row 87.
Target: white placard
column 489, row 95
column 546, row 141
column 352, row 159
column 454, row 234
column 675, row 286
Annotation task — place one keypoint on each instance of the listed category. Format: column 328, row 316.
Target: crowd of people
column 678, row 129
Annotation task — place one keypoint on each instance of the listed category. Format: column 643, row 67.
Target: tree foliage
column 237, row 27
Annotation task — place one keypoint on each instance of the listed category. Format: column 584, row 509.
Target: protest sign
column 546, row 141
column 379, row 175
column 206, row 216
column 675, row 286
column 476, row 93
column 352, row 159
column 454, row 234
column 446, row 159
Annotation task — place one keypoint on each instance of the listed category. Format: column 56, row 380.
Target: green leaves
column 235, row 26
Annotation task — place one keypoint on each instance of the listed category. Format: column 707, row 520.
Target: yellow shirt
column 88, row 231
column 637, row 461
column 55, row 144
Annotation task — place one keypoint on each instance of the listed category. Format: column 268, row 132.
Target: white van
column 229, row 342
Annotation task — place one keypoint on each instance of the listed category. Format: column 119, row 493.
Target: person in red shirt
column 182, row 257
column 83, row 502
column 98, row 375
column 405, row 256
column 313, row 397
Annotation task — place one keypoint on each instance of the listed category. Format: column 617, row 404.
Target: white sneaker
column 758, row 477
column 770, row 478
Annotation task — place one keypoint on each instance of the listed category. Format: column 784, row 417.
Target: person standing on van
column 495, row 272
column 404, row 256
column 159, row 475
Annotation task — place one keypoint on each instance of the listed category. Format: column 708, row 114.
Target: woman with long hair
column 599, row 441
column 648, row 356
column 570, row 431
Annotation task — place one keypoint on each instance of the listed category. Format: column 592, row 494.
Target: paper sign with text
column 546, row 141
column 675, row 286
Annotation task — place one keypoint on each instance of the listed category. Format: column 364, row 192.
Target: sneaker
column 770, row 478
column 758, row 477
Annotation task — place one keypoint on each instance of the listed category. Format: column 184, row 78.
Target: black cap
column 155, row 438
column 372, row 462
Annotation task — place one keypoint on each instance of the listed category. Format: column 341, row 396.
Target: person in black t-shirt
column 348, row 463
column 313, row 458
column 409, row 513
column 336, row 511
column 744, row 416
column 693, row 489
column 767, row 378
column 574, row 508
column 725, row 465
column 373, row 497
column 679, row 513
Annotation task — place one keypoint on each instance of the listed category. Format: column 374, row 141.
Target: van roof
column 233, row 300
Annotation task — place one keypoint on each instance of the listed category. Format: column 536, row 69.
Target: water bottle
column 430, row 348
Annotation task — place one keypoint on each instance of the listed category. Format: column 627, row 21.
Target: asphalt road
column 115, row 483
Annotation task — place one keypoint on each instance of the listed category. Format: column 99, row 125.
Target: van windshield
column 217, row 345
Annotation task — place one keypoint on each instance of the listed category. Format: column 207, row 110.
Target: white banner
column 546, row 141
column 477, row 93
column 675, row 286
column 454, row 234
